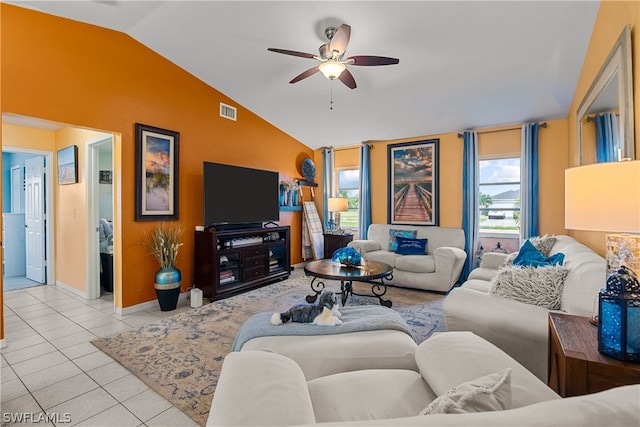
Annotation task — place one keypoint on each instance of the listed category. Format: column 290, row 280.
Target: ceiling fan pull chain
column 331, row 103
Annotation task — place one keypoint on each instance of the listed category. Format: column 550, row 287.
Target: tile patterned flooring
column 50, row 367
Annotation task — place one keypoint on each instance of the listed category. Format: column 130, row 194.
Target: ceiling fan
column 332, row 65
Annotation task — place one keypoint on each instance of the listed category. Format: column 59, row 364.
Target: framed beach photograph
column 68, row 165
column 156, row 173
column 413, row 183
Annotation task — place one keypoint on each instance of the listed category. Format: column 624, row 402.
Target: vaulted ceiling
column 463, row 64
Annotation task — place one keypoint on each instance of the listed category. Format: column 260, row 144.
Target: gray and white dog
column 325, row 313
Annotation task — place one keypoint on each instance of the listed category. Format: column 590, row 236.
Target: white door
column 34, row 218
column 16, row 189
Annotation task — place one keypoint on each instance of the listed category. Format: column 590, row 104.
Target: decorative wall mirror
column 611, row 92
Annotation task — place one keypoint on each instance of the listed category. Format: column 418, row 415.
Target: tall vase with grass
column 163, row 243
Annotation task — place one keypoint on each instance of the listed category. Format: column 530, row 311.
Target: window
column 499, row 197
column 349, row 187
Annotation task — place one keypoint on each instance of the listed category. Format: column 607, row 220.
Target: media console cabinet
column 229, row 262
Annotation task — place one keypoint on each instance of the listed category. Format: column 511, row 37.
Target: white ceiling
column 463, row 65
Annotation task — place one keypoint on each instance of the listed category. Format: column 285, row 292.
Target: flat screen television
column 235, row 195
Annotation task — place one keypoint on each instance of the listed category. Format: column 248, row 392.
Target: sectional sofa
column 262, row 387
column 520, row 328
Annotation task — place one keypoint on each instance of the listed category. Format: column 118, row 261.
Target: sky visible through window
column 501, row 173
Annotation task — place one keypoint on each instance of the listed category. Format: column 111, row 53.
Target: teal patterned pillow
column 393, row 234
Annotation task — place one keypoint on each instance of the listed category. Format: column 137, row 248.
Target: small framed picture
column 105, row 177
column 68, row 165
column 156, row 173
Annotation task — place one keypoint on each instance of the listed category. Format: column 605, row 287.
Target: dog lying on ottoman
column 325, row 313
column 365, row 337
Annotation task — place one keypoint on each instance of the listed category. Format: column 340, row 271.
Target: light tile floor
column 50, row 367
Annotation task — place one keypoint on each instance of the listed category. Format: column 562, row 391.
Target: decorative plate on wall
column 308, row 169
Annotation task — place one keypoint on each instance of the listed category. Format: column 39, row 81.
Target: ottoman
column 370, row 337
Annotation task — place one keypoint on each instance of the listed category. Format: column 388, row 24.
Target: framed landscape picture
column 68, row 165
column 413, row 183
column 156, row 173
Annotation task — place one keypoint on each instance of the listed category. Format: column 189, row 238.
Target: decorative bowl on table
column 348, row 257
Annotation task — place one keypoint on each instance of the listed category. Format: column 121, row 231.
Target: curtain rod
column 542, row 125
column 593, row 118
column 352, row 147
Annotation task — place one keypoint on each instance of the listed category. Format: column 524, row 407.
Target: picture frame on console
column 157, row 173
column 413, row 183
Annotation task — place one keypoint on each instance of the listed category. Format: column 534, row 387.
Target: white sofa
column 437, row 270
column 518, row 328
column 264, row 388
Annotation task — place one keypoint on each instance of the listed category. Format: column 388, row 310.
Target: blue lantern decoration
column 619, row 318
column 347, row 256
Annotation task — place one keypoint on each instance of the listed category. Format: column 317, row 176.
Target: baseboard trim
column 71, row 289
column 144, row 306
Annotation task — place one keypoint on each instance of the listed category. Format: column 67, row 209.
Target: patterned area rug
column 180, row 357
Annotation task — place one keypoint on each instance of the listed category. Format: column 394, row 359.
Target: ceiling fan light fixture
column 331, row 69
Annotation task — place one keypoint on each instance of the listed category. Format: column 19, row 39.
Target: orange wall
column 69, row 72
column 611, row 19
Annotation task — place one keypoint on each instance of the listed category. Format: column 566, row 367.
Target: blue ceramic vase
column 167, row 284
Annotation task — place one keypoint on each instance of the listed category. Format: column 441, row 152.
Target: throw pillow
column 529, row 255
column 489, row 393
column 411, row 246
column 540, row 286
column 394, row 234
column 543, row 243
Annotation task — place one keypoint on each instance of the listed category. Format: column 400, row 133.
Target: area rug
column 180, row 357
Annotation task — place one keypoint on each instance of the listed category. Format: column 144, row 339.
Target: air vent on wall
column 228, row 112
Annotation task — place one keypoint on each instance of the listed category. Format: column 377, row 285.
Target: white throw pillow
column 489, row 393
column 540, row 286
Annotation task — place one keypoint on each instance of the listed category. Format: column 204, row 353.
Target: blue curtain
column 364, row 214
column 327, row 181
column 529, row 181
column 469, row 199
column 607, row 140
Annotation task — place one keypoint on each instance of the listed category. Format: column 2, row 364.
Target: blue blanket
column 354, row 319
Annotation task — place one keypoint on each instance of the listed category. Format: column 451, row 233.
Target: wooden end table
column 333, row 242
column 576, row 367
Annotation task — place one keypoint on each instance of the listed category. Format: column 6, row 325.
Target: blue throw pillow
column 394, row 234
column 411, row 246
column 529, row 255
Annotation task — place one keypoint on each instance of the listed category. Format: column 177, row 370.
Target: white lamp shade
column 603, row 197
column 337, row 204
column 331, row 69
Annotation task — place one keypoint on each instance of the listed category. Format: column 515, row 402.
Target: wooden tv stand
column 230, row 262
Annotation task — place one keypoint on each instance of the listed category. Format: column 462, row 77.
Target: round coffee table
column 373, row 272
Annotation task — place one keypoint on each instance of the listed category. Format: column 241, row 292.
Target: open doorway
column 100, row 215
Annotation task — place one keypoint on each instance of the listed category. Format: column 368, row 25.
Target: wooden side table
column 576, row 366
column 333, row 242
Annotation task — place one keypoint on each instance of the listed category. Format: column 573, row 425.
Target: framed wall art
column 68, row 165
column 105, row 177
column 156, row 173
column 413, row 182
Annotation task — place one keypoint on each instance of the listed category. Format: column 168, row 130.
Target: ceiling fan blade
column 304, row 75
column 340, row 39
column 291, row 52
column 371, row 60
column 347, row 78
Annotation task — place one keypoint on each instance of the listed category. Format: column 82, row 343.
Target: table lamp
column 606, row 197
column 336, row 204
